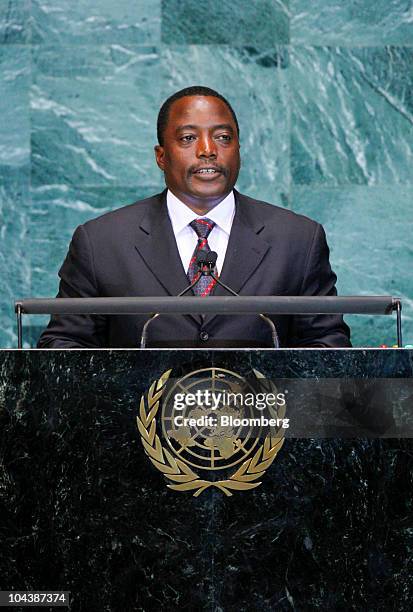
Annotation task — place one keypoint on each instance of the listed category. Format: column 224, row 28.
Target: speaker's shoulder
column 131, row 213
column 274, row 214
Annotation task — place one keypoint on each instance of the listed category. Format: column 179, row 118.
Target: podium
column 85, row 510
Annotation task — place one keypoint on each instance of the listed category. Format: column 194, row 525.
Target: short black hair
column 195, row 90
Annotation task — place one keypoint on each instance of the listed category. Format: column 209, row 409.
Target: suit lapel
column 157, row 246
column 246, row 249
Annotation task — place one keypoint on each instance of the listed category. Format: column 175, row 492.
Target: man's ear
column 159, row 156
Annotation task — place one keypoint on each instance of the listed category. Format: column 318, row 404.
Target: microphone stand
column 206, row 263
column 201, row 261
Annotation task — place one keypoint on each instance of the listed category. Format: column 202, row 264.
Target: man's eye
column 224, row 137
column 188, row 138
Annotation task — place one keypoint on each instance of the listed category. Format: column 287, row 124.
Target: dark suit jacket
column 132, row 252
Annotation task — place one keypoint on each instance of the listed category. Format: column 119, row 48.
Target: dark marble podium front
column 83, row 510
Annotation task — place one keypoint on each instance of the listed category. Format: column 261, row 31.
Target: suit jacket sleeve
column 77, row 279
column 319, row 279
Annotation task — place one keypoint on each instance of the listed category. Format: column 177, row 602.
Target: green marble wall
column 324, row 95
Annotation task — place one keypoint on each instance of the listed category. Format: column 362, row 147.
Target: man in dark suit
column 148, row 248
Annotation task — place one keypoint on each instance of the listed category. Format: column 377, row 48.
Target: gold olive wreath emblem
column 176, row 470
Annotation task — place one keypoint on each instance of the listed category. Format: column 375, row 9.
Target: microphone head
column 212, row 258
column 206, row 258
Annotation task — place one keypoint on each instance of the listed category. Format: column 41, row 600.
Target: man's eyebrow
column 221, row 126
column 186, row 127
column 224, row 126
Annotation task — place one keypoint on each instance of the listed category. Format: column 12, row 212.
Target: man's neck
column 200, row 206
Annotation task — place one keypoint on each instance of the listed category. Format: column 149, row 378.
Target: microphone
column 206, row 262
column 212, row 257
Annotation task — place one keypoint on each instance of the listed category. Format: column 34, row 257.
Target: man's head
column 198, row 148
column 195, row 90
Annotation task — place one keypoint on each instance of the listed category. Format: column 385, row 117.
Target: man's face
column 200, row 155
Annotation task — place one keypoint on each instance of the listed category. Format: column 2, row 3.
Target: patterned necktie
column 202, row 227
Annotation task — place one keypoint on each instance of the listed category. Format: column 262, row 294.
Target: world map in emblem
column 210, row 431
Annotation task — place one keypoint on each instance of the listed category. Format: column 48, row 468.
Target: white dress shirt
column 186, row 237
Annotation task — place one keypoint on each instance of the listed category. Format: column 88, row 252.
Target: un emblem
column 218, row 429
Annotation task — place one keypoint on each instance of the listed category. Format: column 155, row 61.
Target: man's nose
column 206, row 147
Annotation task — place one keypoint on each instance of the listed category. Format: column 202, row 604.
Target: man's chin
column 209, row 189
column 210, row 195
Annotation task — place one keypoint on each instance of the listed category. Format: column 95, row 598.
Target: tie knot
column 202, row 227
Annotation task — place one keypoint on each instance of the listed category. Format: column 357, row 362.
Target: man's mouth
column 207, row 171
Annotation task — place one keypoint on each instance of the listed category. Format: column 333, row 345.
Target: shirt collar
column 181, row 216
